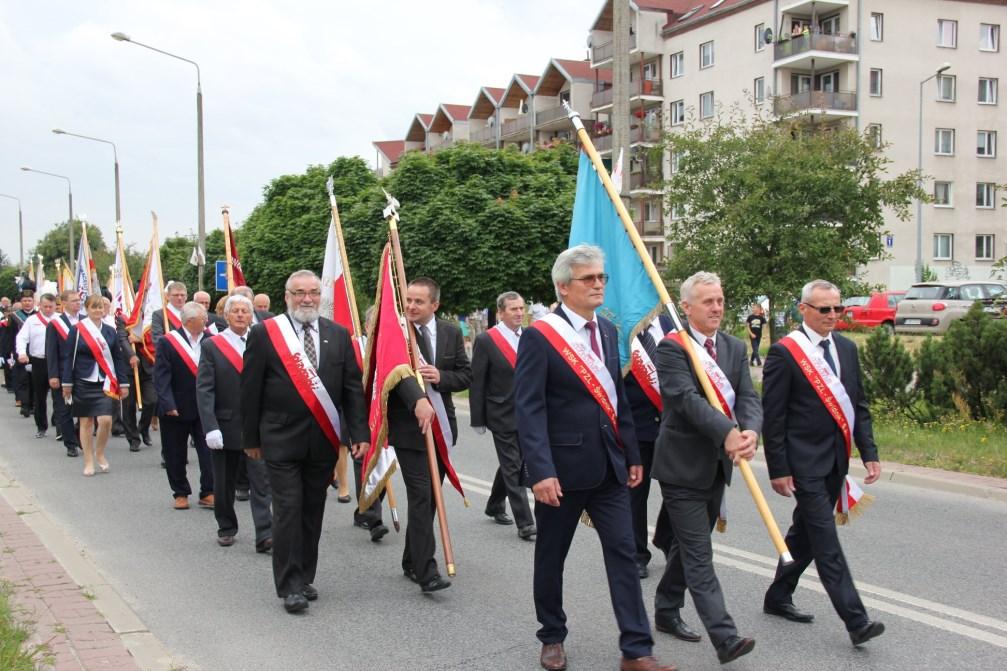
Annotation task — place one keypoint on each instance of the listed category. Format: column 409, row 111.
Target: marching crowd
column 269, row 402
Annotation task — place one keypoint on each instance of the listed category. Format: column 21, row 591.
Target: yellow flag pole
column 155, row 248
column 127, row 299
column 704, row 380
column 226, row 214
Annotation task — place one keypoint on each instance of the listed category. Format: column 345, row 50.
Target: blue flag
column 631, row 300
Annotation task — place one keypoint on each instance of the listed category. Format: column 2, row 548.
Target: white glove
column 27, row 367
column 479, row 429
column 215, row 440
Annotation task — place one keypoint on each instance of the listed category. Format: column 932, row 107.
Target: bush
column 888, row 371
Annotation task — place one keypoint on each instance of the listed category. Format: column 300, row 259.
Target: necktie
column 242, row 338
column 710, row 349
column 828, row 355
column 428, row 346
column 309, row 346
column 592, row 328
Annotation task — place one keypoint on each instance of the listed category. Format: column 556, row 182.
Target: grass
column 952, row 444
column 15, row 652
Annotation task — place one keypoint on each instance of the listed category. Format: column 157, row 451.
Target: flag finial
column 392, row 211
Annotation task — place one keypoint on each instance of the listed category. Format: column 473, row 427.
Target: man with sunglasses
column 814, row 409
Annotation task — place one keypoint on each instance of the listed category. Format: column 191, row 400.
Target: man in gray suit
column 696, row 446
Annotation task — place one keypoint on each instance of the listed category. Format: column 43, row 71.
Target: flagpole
column 127, row 300
column 704, row 380
column 155, row 249
column 435, row 477
column 226, row 214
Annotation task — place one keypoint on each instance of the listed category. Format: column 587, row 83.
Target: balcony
column 552, row 118
column 518, row 126
column 647, row 180
column 824, row 104
column 650, row 228
column 648, row 90
column 487, row 135
column 648, row 134
column 806, row 7
column 604, row 53
column 818, row 49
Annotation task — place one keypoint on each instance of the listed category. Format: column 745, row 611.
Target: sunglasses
column 826, row 309
column 592, row 279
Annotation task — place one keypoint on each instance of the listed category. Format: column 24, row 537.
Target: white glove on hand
column 479, row 429
column 215, row 440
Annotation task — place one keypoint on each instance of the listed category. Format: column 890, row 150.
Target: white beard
column 304, row 315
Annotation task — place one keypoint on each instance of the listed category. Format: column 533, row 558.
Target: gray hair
column 814, row 285
column 237, row 299
column 243, row 291
column 702, row 277
column 191, row 310
column 507, row 296
column 297, row 274
column 174, row 286
column 581, row 255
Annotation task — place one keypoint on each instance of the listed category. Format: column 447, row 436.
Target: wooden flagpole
column 127, row 299
column 225, row 213
column 704, row 380
column 155, row 248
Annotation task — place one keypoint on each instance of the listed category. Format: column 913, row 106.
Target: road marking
column 766, row 566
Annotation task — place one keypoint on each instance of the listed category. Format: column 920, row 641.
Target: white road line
column 742, row 560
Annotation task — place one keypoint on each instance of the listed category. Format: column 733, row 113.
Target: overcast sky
column 286, row 84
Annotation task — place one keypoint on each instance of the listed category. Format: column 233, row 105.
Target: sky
column 285, row 85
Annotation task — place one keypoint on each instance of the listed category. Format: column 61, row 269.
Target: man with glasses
column 814, row 411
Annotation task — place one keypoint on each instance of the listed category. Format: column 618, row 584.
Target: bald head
column 261, row 302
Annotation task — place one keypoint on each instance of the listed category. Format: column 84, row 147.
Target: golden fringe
column 466, row 500
column 865, row 502
column 642, row 325
column 721, row 525
column 396, row 375
column 585, row 519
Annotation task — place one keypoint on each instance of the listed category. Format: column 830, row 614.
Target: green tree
column 888, row 372
column 176, row 252
column 772, row 204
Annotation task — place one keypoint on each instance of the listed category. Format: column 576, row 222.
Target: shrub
column 888, row 371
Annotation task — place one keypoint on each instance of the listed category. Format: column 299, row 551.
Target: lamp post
column 122, row 37
column 115, row 155
column 919, row 178
column 20, row 230
column 69, row 224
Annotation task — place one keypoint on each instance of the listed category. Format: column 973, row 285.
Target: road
column 928, row 564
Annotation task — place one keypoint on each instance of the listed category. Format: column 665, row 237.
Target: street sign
column 221, row 275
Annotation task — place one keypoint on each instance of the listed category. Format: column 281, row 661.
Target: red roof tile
column 392, row 149
column 456, row 112
column 706, row 11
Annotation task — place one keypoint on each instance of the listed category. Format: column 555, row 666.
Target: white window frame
column 991, row 86
column 986, row 140
column 677, row 64
column 831, row 22
column 760, row 42
column 702, row 110
column 940, row 88
column 986, row 195
column 877, row 27
column 703, row 64
column 949, row 240
column 988, row 242
column 651, row 210
column 991, row 30
column 677, row 112
column 650, row 71
column 759, row 89
column 677, row 212
column 875, row 135
column 676, row 161
column 948, row 192
column 833, row 81
column 944, row 26
column 940, row 135
column 879, row 90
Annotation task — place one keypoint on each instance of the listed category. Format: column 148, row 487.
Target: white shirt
column 31, row 338
column 816, row 341
column 432, row 328
column 299, row 329
column 513, row 337
column 238, row 342
column 701, row 338
column 96, row 375
column 578, row 324
column 194, row 341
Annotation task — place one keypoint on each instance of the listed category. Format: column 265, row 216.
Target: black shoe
column 378, row 532
column 642, row 570
column 309, row 592
column 134, row 446
column 145, row 437
column 241, row 494
column 411, row 574
column 72, row 451
column 435, row 584
column 527, row 533
column 344, row 499
column 788, row 612
column 500, row 518
column 225, row 541
column 867, row 632
column 40, row 434
column 295, row 603
column 118, row 434
column 59, row 437
column 264, row 546
column 363, row 524
column 25, row 413
column 677, row 628
column 734, row 647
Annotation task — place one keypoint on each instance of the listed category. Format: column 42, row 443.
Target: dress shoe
column 435, row 584
column 206, row 501
column 553, row 657
column 225, row 541
column 867, row 632
column 787, row 611
column 644, row 664
column 677, row 628
column 59, row 437
column 527, row 533
column 181, row 503
column 241, row 494
column 378, row 532
column 134, row 446
column 295, row 603
column 118, row 434
column 344, row 499
column 309, row 592
column 363, row 524
column 40, row 434
column 642, row 570
column 734, row 647
column 145, row 437
column 500, row 518
column 411, row 574
column 264, row 546
column 72, row 452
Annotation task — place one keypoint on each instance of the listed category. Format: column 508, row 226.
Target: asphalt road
column 929, row 564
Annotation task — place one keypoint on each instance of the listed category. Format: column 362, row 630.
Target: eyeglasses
column 591, row 279
column 300, row 293
column 826, row 309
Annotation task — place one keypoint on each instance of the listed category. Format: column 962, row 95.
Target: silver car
column 930, row 307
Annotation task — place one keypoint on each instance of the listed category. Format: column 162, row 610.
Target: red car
column 872, row 311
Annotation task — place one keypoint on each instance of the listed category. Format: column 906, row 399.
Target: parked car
column 930, row 307
column 872, row 311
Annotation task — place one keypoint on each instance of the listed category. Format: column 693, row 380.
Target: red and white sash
column 228, row 350
column 174, row 316
column 441, row 426
column 586, row 365
column 833, row 395
column 502, row 338
column 95, row 341
column 721, row 385
column 304, row 376
column 42, row 320
column 61, row 327
column 642, row 367
column 184, row 349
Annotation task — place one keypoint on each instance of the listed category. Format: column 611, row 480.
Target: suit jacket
column 690, row 445
column 646, row 418
column 800, row 436
column 76, row 367
column 55, row 345
column 456, row 375
column 562, row 430
column 275, row 418
column 174, row 382
column 218, row 395
column 157, row 327
column 262, row 315
column 491, row 397
column 213, row 319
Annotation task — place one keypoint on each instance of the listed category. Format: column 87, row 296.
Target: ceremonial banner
column 122, row 284
column 235, row 278
column 338, row 303
column 149, row 299
column 631, row 300
column 87, row 275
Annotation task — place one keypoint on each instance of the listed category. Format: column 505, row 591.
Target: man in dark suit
column 215, row 323
column 22, row 377
column 491, row 403
column 440, row 342
column 575, row 429
column 809, row 455
column 55, row 343
column 696, row 446
column 298, row 441
column 176, row 294
column 175, row 366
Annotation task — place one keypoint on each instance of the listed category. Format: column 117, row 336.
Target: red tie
column 592, row 329
column 709, row 348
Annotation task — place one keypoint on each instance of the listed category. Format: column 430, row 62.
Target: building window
column 943, row 194
column 944, row 141
column 677, row 64
column 947, row 33
column 829, row 25
column 986, row 143
column 655, row 254
column 986, row 193
column 877, row 27
column 706, row 54
column 946, row 85
column 760, row 37
column 943, row 246
column 989, row 37
column 875, row 83
column 984, row 247
column 759, row 86
column 874, row 135
column 677, row 112
column 652, row 210
column 676, row 161
column 706, row 105
column 676, row 212
column 988, row 91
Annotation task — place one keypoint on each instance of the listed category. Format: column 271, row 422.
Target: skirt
column 90, row 401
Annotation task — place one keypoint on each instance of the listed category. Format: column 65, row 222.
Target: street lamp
column 122, row 37
column 919, row 178
column 20, row 230
column 69, row 224
column 115, row 155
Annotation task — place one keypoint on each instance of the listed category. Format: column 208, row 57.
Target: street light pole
column 69, row 224
column 919, row 176
column 115, row 155
column 20, row 230
column 200, row 190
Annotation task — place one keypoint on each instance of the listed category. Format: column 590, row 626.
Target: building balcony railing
column 845, row 101
column 606, row 51
column 650, row 228
column 515, row 126
column 645, row 179
column 646, row 134
column 485, row 135
column 545, row 116
column 640, row 87
column 839, row 44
